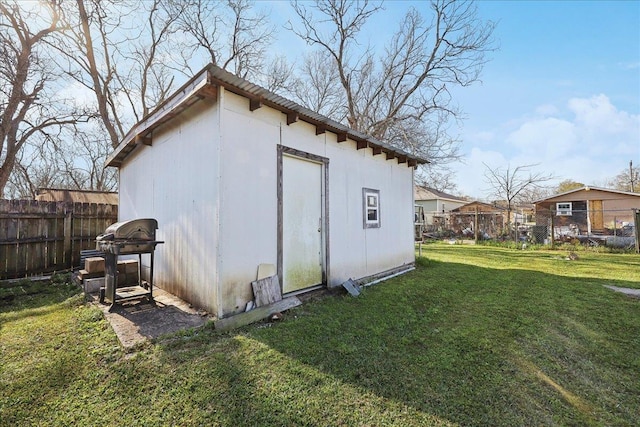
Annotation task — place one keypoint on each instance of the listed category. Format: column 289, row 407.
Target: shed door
column 301, row 223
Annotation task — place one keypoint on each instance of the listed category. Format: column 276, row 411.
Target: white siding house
column 237, row 176
column 436, row 205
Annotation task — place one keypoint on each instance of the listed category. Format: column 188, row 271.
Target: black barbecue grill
column 132, row 237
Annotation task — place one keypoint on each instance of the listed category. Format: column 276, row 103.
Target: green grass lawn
column 474, row 336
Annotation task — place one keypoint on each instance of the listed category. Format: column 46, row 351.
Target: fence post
column 68, row 231
column 475, row 226
column 636, row 223
column 552, row 227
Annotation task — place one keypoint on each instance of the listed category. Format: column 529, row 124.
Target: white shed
column 238, row 176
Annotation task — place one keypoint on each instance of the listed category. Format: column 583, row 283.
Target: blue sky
column 562, row 90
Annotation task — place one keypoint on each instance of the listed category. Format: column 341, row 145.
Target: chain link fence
column 487, row 224
column 594, row 227
column 609, row 227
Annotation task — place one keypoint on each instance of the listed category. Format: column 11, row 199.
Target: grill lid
column 135, row 229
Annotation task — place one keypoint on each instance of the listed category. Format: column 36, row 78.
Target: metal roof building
column 239, row 177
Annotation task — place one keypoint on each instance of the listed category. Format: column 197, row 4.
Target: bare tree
column 402, row 94
column 234, row 35
column 512, row 185
column 81, row 162
column 148, row 76
column 32, row 171
column 318, row 91
column 76, row 161
column 31, row 107
column 120, row 53
column 534, row 193
column 90, row 60
column 627, row 180
column 121, row 59
column 441, row 179
column 279, row 75
column 127, row 54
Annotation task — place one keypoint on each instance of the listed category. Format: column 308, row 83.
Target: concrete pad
column 627, row 291
column 138, row 321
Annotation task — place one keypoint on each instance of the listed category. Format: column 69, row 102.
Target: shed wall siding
column 248, row 202
column 210, row 179
column 248, row 220
column 357, row 251
column 176, row 181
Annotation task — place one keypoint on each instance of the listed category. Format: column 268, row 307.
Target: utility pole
column 631, row 176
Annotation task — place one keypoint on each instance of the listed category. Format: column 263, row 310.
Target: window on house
column 563, row 209
column 371, row 208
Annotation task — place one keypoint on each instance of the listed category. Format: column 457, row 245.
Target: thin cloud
column 547, row 110
column 586, row 139
column 629, row 65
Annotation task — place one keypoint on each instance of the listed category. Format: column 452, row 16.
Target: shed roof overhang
column 206, row 83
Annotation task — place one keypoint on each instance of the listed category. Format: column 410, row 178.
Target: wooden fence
column 38, row 237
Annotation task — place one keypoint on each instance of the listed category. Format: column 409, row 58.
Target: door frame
column 324, row 194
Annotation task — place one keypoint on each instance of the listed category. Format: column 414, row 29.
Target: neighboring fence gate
column 38, row 237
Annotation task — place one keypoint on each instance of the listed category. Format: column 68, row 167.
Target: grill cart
column 134, row 237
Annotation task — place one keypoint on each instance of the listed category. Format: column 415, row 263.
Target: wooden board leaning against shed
column 266, row 291
column 256, row 314
column 268, row 301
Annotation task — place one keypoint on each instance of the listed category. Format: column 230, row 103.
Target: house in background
column 436, row 206
column 588, row 210
column 237, row 176
column 77, row 196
